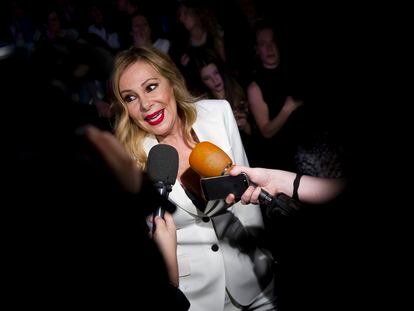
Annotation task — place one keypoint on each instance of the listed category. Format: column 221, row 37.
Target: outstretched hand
column 313, row 190
column 258, row 176
column 273, row 181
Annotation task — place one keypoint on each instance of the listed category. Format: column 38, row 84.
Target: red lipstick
column 155, row 118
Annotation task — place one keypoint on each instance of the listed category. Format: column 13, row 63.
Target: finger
column 169, row 220
column 245, row 199
column 237, row 169
column 159, row 224
column 230, row 199
column 255, row 195
column 159, row 221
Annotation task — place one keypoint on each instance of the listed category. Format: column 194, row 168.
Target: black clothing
column 70, row 235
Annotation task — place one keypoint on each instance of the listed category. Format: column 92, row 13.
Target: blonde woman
column 220, row 264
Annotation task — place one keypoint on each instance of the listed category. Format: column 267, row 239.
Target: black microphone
column 281, row 204
column 162, row 168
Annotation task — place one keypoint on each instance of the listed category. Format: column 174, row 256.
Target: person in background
column 272, row 101
column 99, row 27
column 303, row 134
column 200, row 31
column 122, row 12
column 54, row 29
column 221, row 266
column 202, row 27
column 142, row 34
column 220, row 84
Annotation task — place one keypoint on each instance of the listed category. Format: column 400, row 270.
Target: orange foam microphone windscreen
column 209, row 160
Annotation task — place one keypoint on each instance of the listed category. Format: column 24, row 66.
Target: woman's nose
column 145, row 104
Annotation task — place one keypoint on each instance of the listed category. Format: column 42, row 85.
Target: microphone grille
column 162, row 164
column 209, row 160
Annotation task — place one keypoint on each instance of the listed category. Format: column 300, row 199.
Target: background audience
column 69, row 57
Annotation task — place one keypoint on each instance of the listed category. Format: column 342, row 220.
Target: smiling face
column 150, row 99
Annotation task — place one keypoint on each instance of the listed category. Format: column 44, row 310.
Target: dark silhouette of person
column 72, row 235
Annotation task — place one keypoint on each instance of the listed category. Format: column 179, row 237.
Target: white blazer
column 237, row 264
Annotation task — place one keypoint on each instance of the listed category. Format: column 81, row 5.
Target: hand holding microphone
column 209, row 160
column 279, row 204
column 260, row 178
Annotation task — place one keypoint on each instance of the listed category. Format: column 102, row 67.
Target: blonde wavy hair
column 126, row 130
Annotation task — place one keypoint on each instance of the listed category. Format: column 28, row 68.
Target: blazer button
column 206, row 219
column 214, row 247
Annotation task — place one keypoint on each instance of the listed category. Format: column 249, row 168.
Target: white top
column 162, row 44
column 110, row 38
column 204, row 273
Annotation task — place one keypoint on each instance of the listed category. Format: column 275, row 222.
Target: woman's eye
column 151, row 87
column 129, row 98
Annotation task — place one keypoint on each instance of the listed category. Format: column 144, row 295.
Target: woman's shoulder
column 214, row 105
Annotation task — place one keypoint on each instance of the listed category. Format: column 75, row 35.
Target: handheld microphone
column 162, row 168
column 209, row 160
